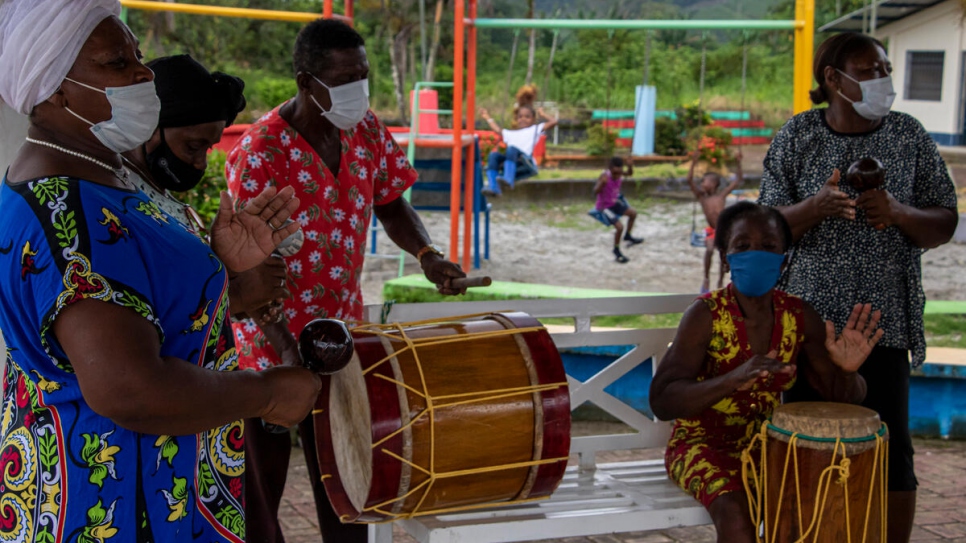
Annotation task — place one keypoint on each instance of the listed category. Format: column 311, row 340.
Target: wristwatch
column 431, row 248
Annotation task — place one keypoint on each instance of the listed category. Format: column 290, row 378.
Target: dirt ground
column 559, row 244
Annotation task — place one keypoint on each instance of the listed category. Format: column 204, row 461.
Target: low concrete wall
column 582, row 190
column 960, row 235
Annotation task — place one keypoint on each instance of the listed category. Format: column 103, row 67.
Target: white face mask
column 134, row 115
column 350, row 102
column 877, row 97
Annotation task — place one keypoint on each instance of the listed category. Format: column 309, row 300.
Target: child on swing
column 736, row 350
column 503, row 170
column 712, row 202
column 611, row 205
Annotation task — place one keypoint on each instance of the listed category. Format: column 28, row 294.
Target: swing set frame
column 466, row 26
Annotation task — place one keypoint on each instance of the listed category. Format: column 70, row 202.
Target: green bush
column 205, row 197
column 268, row 92
column 667, row 137
column 601, row 141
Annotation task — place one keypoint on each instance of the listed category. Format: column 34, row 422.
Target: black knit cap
column 191, row 95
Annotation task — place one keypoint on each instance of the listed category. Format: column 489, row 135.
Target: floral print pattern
column 335, row 213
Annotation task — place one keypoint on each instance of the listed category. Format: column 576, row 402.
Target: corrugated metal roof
column 887, row 11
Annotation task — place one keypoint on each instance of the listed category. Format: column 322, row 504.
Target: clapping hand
column 832, row 202
column 849, row 349
column 760, row 367
column 245, row 238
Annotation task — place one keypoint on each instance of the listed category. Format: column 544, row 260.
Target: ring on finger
column 281, row 282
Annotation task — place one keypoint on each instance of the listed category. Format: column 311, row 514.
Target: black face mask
column 169, row 171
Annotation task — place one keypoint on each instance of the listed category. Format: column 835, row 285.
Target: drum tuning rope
column 755, row 478
column 395, row 332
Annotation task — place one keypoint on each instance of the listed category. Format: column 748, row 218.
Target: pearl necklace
column 120, row 173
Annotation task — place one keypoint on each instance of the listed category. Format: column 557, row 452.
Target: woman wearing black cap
column 196, row 107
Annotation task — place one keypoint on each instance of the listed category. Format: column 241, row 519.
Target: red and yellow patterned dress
column 704, row 454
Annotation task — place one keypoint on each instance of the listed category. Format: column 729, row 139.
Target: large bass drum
column 436, row 416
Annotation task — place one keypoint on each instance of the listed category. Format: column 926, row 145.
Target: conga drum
column 821, row 474
column 437, row 416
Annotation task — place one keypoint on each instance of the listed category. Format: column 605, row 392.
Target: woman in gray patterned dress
column 852, row 246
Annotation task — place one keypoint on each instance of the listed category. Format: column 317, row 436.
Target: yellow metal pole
column 221, row 11
column 804, row 51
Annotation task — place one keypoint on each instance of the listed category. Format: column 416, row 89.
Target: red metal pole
column 349, row 9
column 471, row 128
column 327, row 9
column 454, row 201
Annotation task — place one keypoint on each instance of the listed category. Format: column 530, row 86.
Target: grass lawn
column 659, row 171
column 942, row 330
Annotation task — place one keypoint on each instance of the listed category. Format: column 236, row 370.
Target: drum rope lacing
column 756, row 505
column 396, row 332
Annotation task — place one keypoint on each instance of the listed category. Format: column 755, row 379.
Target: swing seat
column 605, row 217
column 698, row 239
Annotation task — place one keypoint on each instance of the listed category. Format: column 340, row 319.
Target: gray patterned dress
column 840, row 262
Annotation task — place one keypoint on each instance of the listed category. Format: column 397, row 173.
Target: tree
column 532, row 51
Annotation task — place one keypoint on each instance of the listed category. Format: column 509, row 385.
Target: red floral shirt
column 335, row 212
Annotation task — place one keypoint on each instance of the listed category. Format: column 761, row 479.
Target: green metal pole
column 629, row 24
column 414, row 133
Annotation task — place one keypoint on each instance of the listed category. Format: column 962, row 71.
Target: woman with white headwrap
column 121, row 415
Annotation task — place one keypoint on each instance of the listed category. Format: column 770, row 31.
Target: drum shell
column 500, row 432
column 866, row 481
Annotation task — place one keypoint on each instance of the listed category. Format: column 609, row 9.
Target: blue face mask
column 755, row 272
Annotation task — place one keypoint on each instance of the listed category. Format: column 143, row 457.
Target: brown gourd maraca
column 325, row 346
column 865, row 174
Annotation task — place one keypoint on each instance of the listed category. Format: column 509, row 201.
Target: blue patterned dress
column 70, row 474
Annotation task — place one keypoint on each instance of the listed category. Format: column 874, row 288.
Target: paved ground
column 941, row 516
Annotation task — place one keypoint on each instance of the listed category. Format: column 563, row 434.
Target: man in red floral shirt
column 344, row 166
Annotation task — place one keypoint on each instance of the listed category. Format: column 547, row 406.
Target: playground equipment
column 424, row 132
column 464, row 59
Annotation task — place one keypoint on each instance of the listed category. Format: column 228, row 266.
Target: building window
column 924, row 75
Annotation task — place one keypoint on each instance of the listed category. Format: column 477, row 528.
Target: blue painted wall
column 937, row 392
column 948, row 139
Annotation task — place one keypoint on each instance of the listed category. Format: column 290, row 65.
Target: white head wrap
column 39, row 42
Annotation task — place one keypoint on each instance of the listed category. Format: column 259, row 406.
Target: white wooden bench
column 593, row 498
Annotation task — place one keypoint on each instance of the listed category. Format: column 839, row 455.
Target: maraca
column 866, row 174
column 325, row 347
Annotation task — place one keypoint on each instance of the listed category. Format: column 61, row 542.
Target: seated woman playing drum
column 736, row 350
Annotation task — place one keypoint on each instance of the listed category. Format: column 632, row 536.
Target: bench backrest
column 644, row 344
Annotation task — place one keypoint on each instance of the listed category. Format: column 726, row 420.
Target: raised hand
column 849, row 349
column 832, row 202
column 245, row 238
column 759, row 367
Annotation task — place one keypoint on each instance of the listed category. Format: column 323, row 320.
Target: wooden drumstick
column 467, row 282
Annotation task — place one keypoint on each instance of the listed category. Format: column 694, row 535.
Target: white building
column 926, row 41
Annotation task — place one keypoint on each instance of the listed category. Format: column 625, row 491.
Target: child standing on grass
column 712, row 203
column 611, row 205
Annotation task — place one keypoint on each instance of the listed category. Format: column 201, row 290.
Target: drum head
column 826, row 420
column 352, row 431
